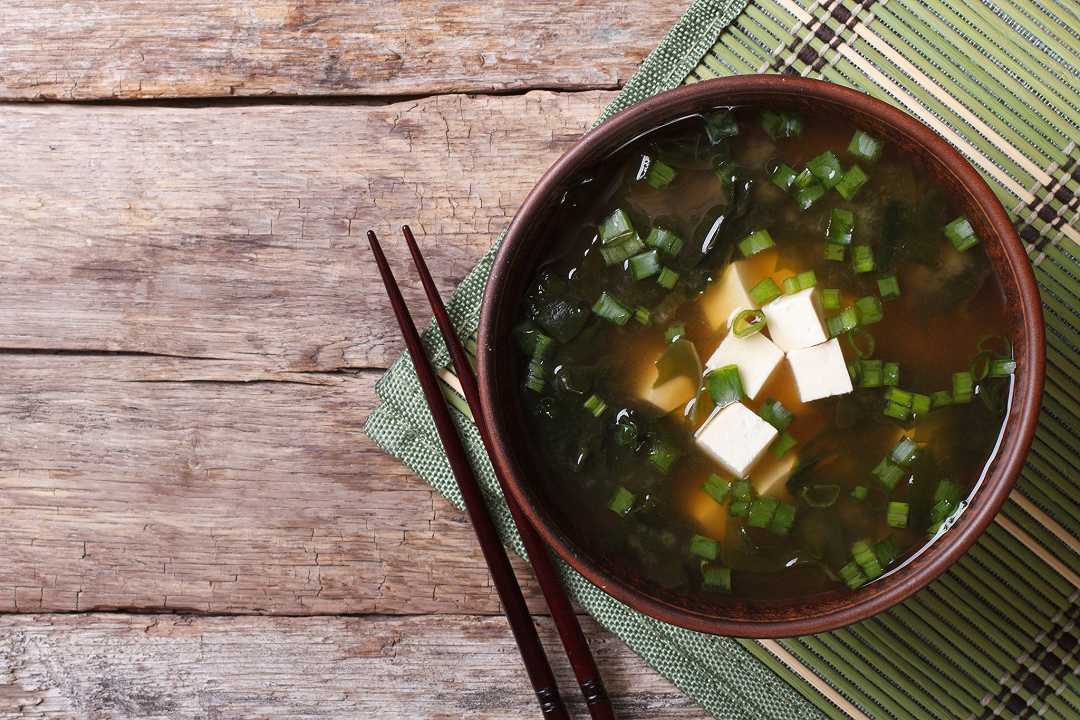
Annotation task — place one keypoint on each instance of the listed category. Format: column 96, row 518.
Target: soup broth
column 764, row 357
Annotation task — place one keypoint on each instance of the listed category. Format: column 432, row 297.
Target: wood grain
column 208, row 486
column 179, row 668
column 219, row 48
column 237, row 233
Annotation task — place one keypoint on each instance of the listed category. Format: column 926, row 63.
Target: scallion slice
column 859, row 493
column 852, row 182
column 532, row 340
column 898, row 396
column 675, row 332
column 664, row 240
column 791, row 285
column 861, row 341
column 806, row 197
column 842, row 323
column 783, row 176
column 618, row 252
column 783, row 444
column 852, row 575
column 756, row 242
column 820, row 496
column 783, row 518
column 659, row 175
column 667, row 278
column 896, row 515
column 897, row 411
column 748, row 322
column 826, row 168
column 888, row 287
column 961, row 234
column 890, row 374
column 764, row 291
column 870, row 373
column 805, row 179
column 885, row 550
column 963, row 387
column 622, row 502
column 595, row 405
column 721, row 125
column 920, row 404
column 761, row 511
column 940, row 399
column 704, row 547
column 715, row 577
column 774, row 413
column 834, row 252
column 870, row 310
column 739, row 508
column 841, row 226
column 642, row 315
column 535, row 378
column 611, row 309
column 862, row 258
column 616, row 227
column 865, row 557
column 741, row 489
column 717, row 488
column 865, row 147
column 724, row 385
column 980, row 365
column 781, row 124
column 663, row 454
column 905, row 451
column 644, row 265
column 830, row 299
column 1003, row 367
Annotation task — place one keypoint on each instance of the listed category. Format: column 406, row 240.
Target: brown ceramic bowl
column 523, row 249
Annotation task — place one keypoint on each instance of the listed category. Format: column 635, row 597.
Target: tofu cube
column 756, row 357
column 725, row 295
column 820, row 371
column 771, row 474
column 736, row 438
column 794, row 322
column 674, row 393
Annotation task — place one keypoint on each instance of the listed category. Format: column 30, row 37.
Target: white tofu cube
column 674, row 393
column 820, row 371
column 756, row 357
column 794, row 322
column 726, row 294
column 736, row 438
column 772, row 473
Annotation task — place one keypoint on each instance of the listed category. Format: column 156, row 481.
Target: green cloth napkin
column 997, row 635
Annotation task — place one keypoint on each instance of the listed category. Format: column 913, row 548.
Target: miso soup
column 764, row 357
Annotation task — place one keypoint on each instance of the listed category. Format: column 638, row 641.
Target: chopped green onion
column 862, row 258
column 830, row 299
column 920, row 404
column 774, row 413
column 748, row 322
column 741, row 489
column 847, row 320
column 756, row 242
column 852, row 575
column 897, row 411
column 961, row 234
column 802, row 281
column 963, row 387
column 663, row 455
column 826, row 168
column 980, row 365
column 791, row 285
column 905, row 451
column 622, row 501
column 664, row 240
column 805, row 179
column 864, row 555
column 616, row 227
column 642, row 315
column 834, row 252
column 898, row 396
column 783, row 444
column 890, row 374
column 761, row 511
column 888, row 473
column 618, row 252
column 611, row 309
column 675, row 332
column 865, row 147
column 870, row 310
column 531, row 339
column 644, row 265
column 820, row 496
column 667, row 278
column 595, row 405
column 724, row 385
column 782, row 124
column 859, row 493
column 783, row 177
column 534, row 380
column 888, row 287
column 841, row 226
column 659, row 175
column 940, row 398
column 717, row 487
column 764, row 291
column 721, row 125
column 715, row 577
column 870, row 373
column 1002, row 368
column 704, row 547
column 783, row 518
column 806, row 197
column 896, row 515
column 946, row 500
column 861, row 341
column 885, row 550
column 739, row 508
column 852, row 182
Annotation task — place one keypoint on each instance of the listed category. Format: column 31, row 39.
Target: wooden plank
column 237, row 233
column 148, row 483
column 175, row 667
column 50, row 49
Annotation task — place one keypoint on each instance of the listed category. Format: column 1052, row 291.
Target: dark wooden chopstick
column 566, row 621
column 513, row 602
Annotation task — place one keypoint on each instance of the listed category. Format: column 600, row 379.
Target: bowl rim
column 1020, row 423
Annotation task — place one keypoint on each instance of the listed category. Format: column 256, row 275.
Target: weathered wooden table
column 192, row 524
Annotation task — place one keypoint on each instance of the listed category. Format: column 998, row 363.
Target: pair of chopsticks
column 513, row 602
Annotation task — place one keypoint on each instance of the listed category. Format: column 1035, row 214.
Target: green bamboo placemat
column 998, row 634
